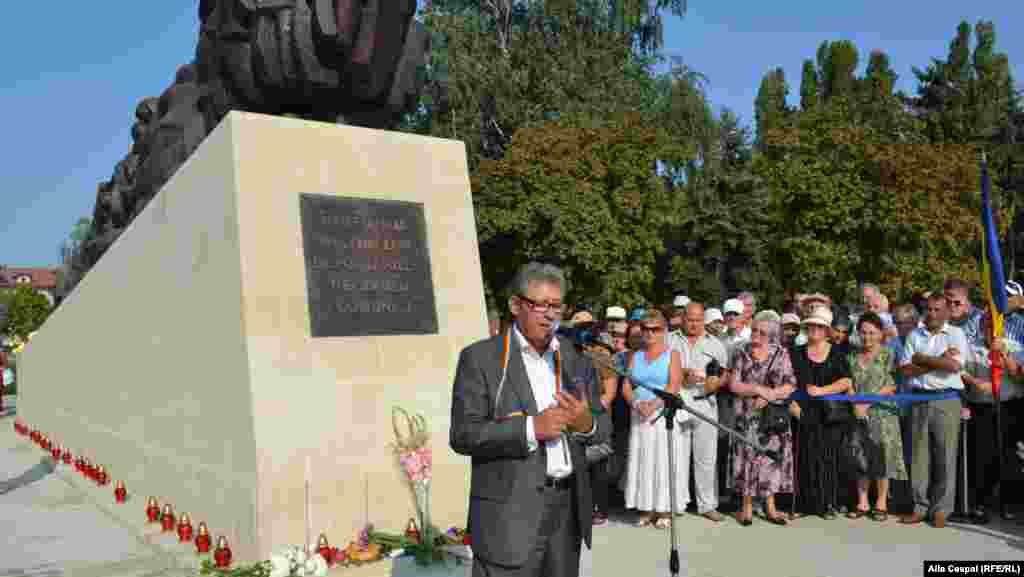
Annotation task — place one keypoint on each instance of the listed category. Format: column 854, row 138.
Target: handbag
column 858, row 454
column 774, row 418
column 599, row 452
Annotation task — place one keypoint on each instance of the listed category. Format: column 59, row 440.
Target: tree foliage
column 26, row 311
column 855, row 206
column 584, row 195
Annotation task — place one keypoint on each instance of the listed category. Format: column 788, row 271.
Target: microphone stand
column 674, row 404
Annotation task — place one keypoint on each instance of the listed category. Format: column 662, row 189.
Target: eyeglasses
column 957, row 303
column 541, row 308
column 652, row 329
column 618, row 335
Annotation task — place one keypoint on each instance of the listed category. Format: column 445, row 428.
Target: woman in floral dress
column 871, row 370
column 761, row 373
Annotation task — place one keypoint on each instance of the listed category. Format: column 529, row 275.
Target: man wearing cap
column 732, row 310
column 698, row 350
column 677, row 317
column 932, row 362
column 790, row 330
column 714, row 323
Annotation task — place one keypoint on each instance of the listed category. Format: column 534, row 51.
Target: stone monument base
column 185, row 361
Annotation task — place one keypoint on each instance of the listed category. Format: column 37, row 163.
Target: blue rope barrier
column 900, row 398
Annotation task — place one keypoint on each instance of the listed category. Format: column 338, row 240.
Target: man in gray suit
column 522, row 409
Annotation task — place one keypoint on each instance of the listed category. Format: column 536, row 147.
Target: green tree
column 879, row 77
column 585, row 195
column 838, row 73
column 26, row 311
column 852, row 204
column 809, row 86
column 770, row 107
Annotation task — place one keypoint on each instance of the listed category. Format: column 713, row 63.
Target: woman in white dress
column 656, row 366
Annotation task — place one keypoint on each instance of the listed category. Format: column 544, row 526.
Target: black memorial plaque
column 367, row 267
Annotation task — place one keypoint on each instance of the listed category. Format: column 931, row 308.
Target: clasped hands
column 570, row 414
column 766, row 395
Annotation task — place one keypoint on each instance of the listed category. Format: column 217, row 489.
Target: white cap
column 681, row 301
column 790, row 319
column 712, row 315
column 615, row 314
column 819, row 316
column 1014, row 289
column 733, row 306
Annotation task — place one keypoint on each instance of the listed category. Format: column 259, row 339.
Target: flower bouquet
column 416, row 460
column 296, row 561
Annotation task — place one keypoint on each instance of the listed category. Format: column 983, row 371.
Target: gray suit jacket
column 506, row 498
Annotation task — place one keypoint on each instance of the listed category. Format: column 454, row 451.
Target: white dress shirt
column 935, row 344
column 541, row 372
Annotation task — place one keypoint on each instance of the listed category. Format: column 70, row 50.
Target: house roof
column 39, row 277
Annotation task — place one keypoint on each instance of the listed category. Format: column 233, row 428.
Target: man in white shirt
column 932, row 360
column 697, row 350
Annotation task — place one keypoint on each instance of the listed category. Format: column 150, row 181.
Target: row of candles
column 165, row 517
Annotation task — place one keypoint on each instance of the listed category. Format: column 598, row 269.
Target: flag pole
column 996, row 362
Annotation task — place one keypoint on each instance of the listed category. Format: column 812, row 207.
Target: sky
column 73, row 76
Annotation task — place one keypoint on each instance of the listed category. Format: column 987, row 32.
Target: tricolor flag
column 992, row 274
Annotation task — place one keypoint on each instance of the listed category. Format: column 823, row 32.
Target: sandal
column 880, row 515
column 777, row 519
column 744, row 520
column 858, row 513
column 644, row 522
column 663, row 523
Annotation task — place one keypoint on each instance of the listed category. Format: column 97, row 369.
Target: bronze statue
column 347, row 61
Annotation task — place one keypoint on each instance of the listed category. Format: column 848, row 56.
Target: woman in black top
column 820, row 369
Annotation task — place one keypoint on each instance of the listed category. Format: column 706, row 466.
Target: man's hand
column 861, row 409
column 580, row 418
column 785, row 391
column 887, row 390
column 814, row 390
column 551, row 423
column 794, row 409
column 760, row 403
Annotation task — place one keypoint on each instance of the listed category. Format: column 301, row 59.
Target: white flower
column 396, row 553
column 301, row 557
column 319, row 566
column 280, row 566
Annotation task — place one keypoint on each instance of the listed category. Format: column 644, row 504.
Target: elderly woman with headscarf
column 761, row 374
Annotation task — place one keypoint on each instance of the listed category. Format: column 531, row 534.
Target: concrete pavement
column 56, row 526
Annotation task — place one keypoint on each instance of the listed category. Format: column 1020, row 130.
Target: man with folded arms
column 932, row 361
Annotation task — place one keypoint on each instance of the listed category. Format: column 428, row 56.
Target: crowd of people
column 775, row 377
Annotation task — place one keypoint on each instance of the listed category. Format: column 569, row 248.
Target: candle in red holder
column 44, row 442
column 79, row 463
column 466, row 540
column 184, row 528
column 167, row 519
column 90, row 469
column 120, row 493
column 325, row 549
column 101, row 475
column 34, row 435
column 411, row 531
column 222, row 555
column 55, row 453
column 203, row 538
column 67, row 456
column 152, row 510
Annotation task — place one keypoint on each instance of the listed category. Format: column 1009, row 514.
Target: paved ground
column 56, row 528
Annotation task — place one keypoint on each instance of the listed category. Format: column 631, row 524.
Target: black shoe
column 980, row 516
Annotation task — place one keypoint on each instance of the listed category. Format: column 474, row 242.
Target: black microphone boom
column 675, row 403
